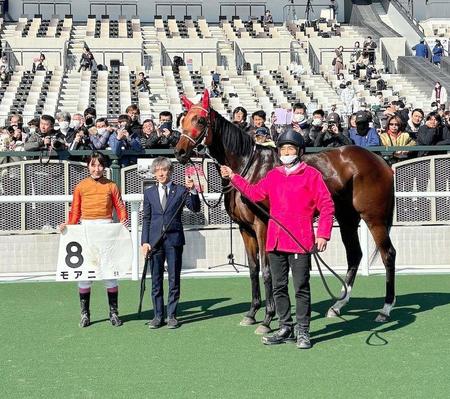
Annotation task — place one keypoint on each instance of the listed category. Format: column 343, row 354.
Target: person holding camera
column 134, row 113
column 45, row 138
column 165, row 136
column 122, row 140
column 332, row 134
column 141, row 83
column 99, row 135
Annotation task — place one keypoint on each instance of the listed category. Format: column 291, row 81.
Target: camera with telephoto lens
column 330, row 126
column 56, row 143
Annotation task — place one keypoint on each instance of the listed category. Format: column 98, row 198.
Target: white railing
column 134, row 199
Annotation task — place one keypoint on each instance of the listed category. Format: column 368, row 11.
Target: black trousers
column 300, row 265
column 173, row 254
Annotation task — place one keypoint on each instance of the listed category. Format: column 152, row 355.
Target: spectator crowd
column 387, row 124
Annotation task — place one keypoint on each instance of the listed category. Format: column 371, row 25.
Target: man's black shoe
column 303, row 340
column 284, row 334
column 173, row 323
column 155, row 323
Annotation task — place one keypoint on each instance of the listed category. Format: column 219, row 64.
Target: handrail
column 313, row 60
column 388, row 62
column 120, row 3
column 65, row 154
column 239, row 57
column 175, row 4
column 236, row 5
column 294, row 5
column 46, row 3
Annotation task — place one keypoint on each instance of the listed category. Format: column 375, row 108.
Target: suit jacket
column 156, row 219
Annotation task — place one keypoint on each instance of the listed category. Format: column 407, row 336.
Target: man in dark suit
column 161, row 203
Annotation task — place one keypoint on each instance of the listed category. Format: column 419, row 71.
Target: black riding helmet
column 290, row 136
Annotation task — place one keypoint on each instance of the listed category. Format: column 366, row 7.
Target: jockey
column 93, row 201
column 296, row 191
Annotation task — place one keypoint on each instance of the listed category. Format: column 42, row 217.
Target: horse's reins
column 200, row 140
column 315, row 253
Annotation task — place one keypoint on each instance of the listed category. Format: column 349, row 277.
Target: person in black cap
column 262, row 137
column 296, row 191
column 364, row 135
column 333, row 135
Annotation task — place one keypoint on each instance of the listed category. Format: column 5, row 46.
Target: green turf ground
column 44, row 354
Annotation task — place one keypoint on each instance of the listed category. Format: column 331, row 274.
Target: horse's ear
column 205, row 99
column 186, row 102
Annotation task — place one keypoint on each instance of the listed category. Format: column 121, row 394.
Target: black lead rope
column 148, row 258
column 315, row 253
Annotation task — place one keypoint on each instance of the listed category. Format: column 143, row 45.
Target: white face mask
column 32, row 130
column 316, row 122
column 298, row 118
column 63, row 125
column 287, row 159
column 75, row 124
column 101, row 130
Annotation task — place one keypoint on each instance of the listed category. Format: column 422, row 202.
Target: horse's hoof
column 247, row 321
column 333, row 313
column 381, row 318
column 262, row 329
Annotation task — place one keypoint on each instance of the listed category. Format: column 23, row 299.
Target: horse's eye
column 202, row 121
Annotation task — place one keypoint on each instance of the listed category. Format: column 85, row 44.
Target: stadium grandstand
column 88, row 64
column 111, row 81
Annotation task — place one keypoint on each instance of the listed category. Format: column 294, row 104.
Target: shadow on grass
column 359, row 316
column 195, row 311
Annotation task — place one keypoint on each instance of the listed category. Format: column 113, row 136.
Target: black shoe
column 113, row 312
column 303, row 339
column 172, row 323
column 284, row 334
column 114, row 319
column 155, row 323
column 85, row 320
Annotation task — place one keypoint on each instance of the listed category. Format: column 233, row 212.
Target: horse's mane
column 234, row 138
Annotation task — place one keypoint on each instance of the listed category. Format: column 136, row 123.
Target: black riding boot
column 113, row 309
column 85, row 320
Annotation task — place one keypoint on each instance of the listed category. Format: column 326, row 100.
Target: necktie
column 164, row 197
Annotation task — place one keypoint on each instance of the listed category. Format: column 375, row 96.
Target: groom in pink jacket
column 296, row 192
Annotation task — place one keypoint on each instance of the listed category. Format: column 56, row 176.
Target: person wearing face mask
column 363, row 135
column 332, row 134
column 99, row 135
column 432, row 133
column 296, row 191
column 122, row 140
column 317, row 125
column 134, row 113
column 63, row 122
column 90, row 115
column 240, row 118
column 77, row 136
column 299, row 122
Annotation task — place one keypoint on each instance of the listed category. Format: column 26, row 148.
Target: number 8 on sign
column 74, row 255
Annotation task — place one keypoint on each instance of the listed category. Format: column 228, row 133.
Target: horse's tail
column 389, row 222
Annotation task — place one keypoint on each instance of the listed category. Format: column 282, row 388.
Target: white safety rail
column 134, row 199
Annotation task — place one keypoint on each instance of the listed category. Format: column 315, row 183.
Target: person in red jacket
column 93, row 201
column 296, row 192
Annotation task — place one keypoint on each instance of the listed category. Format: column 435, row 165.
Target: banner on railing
column 94, row 252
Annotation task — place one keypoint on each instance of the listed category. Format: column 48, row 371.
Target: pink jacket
column 294, row 200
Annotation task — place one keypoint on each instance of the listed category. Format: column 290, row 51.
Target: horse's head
column 196, row 127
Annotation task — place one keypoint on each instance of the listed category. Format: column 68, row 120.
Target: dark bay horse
column 360, row 182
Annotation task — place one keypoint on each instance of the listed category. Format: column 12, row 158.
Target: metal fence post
column 135, row 238
column 115, row 172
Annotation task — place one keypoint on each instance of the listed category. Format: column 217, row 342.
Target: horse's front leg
column 251, row 248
